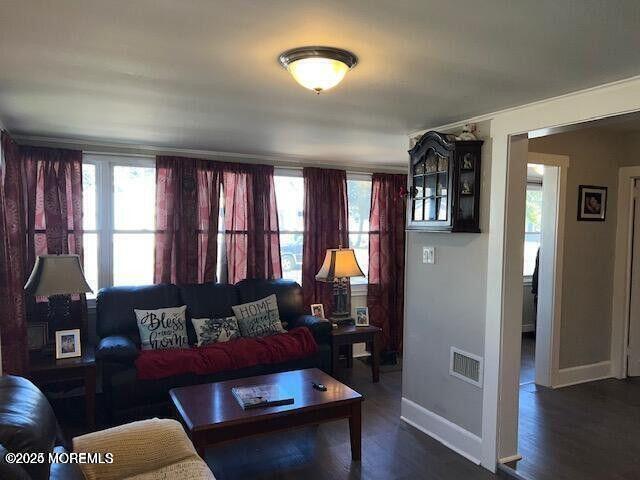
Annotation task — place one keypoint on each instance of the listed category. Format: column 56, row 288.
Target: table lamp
column 340, row 264
column 57, row 277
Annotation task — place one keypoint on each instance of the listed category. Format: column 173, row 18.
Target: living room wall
column 445, row 307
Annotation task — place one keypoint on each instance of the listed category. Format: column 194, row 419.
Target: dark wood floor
column 584, row 432
column 527, row 358
column 390, row 448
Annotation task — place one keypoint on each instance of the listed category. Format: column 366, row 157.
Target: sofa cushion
column 287, row 292
column 163, row 328
column 209, row 300
column 259, row 318
column 115, row 307
column 225, row 356
column 213, row 330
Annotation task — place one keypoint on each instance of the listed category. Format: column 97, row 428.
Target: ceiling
column 203, row 74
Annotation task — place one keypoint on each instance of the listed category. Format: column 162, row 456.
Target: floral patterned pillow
column 213, row 330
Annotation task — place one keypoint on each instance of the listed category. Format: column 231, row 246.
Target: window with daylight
column 290, row 199
column 119, row 220
column 359, row 195
column 532, row 226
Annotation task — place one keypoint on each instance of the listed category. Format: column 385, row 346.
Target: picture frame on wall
column 317, row 310
column 68, row 343
column 592, row 203
column 362, row 316
column 37, row 335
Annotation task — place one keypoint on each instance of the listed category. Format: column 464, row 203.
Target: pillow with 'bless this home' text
column 163, row 328
column 260, row 318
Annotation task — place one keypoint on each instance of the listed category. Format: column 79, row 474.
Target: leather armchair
column 28, row 425
column 157, row 448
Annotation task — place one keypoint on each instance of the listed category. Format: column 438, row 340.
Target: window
column 359, row 194
column 119, row 220
column 532, row 226
column 290, row 199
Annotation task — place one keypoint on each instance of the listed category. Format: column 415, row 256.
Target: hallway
column 586, row 432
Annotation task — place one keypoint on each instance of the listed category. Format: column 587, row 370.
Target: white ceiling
column 202, row 74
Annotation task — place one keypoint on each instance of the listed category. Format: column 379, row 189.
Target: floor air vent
column 466, row 366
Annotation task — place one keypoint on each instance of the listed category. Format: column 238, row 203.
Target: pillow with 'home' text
column 163, row 328
column 260, row 318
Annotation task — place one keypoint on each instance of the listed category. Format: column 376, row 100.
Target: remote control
column 319, row 386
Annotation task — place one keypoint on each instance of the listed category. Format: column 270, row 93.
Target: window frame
column 296, row 173
column 360, row 289
column 105, row 216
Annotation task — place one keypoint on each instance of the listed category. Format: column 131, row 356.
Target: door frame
column 621, row 301
column 547, row 356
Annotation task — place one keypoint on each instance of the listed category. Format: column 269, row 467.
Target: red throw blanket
column 224, row 356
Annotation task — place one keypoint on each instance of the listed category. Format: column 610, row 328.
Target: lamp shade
column 339, row 263
column 57, row 275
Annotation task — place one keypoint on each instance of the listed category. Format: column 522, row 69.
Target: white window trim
column 104, row 164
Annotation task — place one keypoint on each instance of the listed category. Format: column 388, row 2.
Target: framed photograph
column 592, row 203
column 317, row 310
column 362, row 316
column 37, row 334
column 68, row 343
column 468, row 162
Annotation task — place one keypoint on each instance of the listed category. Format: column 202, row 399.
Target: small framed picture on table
column 362, row 316
column 317, row 310
column 68, row 343
column 37, row 335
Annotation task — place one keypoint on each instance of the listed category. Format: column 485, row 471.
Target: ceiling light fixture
column 318, row 68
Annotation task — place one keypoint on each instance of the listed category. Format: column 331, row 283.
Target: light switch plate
column 428, row 255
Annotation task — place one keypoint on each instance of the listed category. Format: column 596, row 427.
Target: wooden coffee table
column 211, row 414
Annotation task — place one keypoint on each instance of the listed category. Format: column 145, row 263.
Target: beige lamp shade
column 339, row 263
column 57, row 275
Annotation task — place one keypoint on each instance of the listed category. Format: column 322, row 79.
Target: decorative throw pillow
column 163, row 328
column 213, row 330
column 260, row 318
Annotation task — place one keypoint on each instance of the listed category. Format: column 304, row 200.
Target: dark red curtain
column 54, row 218
column 54, row 192
column 325, row 226
column 41, row 210
column 187, row 206
column 385, row 292
column 251, row 222
column 13, row 260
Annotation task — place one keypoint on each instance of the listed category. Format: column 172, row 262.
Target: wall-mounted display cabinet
column 444, row 184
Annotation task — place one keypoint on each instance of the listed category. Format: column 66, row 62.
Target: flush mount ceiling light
column 318, row 68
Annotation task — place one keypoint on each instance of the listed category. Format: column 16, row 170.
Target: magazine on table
column 261, row 396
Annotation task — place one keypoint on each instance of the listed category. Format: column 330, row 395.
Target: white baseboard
column 583, row 374
column 531, row 327
column 448, row 433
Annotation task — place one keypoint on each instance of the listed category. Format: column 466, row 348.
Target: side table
column 350, row 334
column 44, row 370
